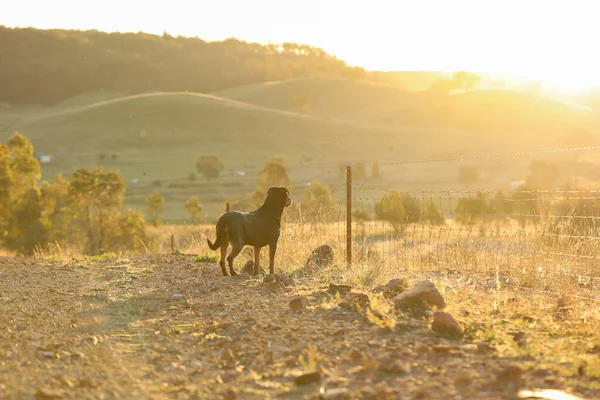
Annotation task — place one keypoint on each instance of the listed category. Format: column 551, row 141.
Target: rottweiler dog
column 257, row 228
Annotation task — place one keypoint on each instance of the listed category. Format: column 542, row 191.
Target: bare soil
column 169, row 327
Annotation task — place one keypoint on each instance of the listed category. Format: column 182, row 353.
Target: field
column 171, row 327
column 157, row 137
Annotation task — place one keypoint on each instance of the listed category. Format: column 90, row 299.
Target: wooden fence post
column 348, row 216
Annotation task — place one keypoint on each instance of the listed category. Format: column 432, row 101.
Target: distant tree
column 156, row 183
column 102, row 156
column 472, row 209
column 359, row 172
column 24, row 165
column 318, row 201
column 467, row 175
column 132, row 232
column 155, row 205
column 412, row 209
column 543, row 175
column 98, row 195
column 274, row 173
column 375, row 172
column 432, row 213
column 194, row 208
column 209, row 166
column 390, row 208
column 360, row 215
column 113, row 157
column 192, row 177
column 460, row 81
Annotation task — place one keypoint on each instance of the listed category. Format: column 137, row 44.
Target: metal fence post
column 348, row 216
column 172, row 244
column 226, row 207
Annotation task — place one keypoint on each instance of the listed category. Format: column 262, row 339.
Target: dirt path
column 169, row 327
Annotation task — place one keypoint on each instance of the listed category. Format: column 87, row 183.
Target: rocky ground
column 171, row 327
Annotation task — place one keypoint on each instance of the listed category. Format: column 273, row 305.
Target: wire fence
column 538, row 240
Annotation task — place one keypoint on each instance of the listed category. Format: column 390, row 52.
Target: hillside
column 157, row 137
column 50, row 66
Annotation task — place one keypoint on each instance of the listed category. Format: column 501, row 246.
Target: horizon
column 533, row 49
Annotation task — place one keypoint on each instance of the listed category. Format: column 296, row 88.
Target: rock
column 299, row 303
column 321, row 257
column 392, row 288
column 484, row 348
column 517, row 335
column 275, row 287
column 334, row 394
column 102, row 297
column 307, row 377
column 283, row 278
column 394, row 367
column 248, row 268
column 422, row 294
column 356, row 302
column 177, row 296
column 341, row 289
column 512, row 373
column 227, row 356
column 445, row 324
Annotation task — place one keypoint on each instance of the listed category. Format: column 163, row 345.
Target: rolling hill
column 157, row 137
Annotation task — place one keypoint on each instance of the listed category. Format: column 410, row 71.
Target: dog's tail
column 221, row 234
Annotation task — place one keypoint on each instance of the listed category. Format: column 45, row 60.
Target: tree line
column 48, row 66
column 85, row 213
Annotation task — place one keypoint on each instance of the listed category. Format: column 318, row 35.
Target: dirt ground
column 170, row 327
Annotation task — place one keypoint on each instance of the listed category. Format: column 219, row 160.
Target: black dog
column 256, row 228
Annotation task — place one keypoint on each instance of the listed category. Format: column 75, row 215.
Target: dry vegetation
column 161, row 326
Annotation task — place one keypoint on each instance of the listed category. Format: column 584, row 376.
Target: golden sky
column 552, row 41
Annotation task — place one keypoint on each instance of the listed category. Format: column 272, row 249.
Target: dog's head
column 279, row 195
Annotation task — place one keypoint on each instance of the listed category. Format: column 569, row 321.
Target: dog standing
column 257, row 228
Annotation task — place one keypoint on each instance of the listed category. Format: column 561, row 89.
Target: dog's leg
column 256, row 260
column 272, row 250
column 235, row 250
column 224, row 245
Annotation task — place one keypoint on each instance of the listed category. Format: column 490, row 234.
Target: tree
column 97, row 193
column 359, row 172
column 432, row 213
column 274, row 173
column 471, row 209
column 194, row 208
column 25, row 232
column 210, row 166
column 155, row 204
column 412, row 208
column 543, row 175
column 25, row 166
column 318, row 201
column 375, row 172
column 467, row 175
column 133, row 234
column 390, row 208
column 460, row 81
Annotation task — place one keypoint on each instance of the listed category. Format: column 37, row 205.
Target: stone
column 299, row 303
column 444, row 323
column 248, row 268
column 335, row 394
column 341, row 289
column 321, row 257
column 307, row 377
column 393, row 288
column 275, row 287
column 283, row 278
column 356, row 302
column 177, row 296
column 422, row 294
column 102, row 297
